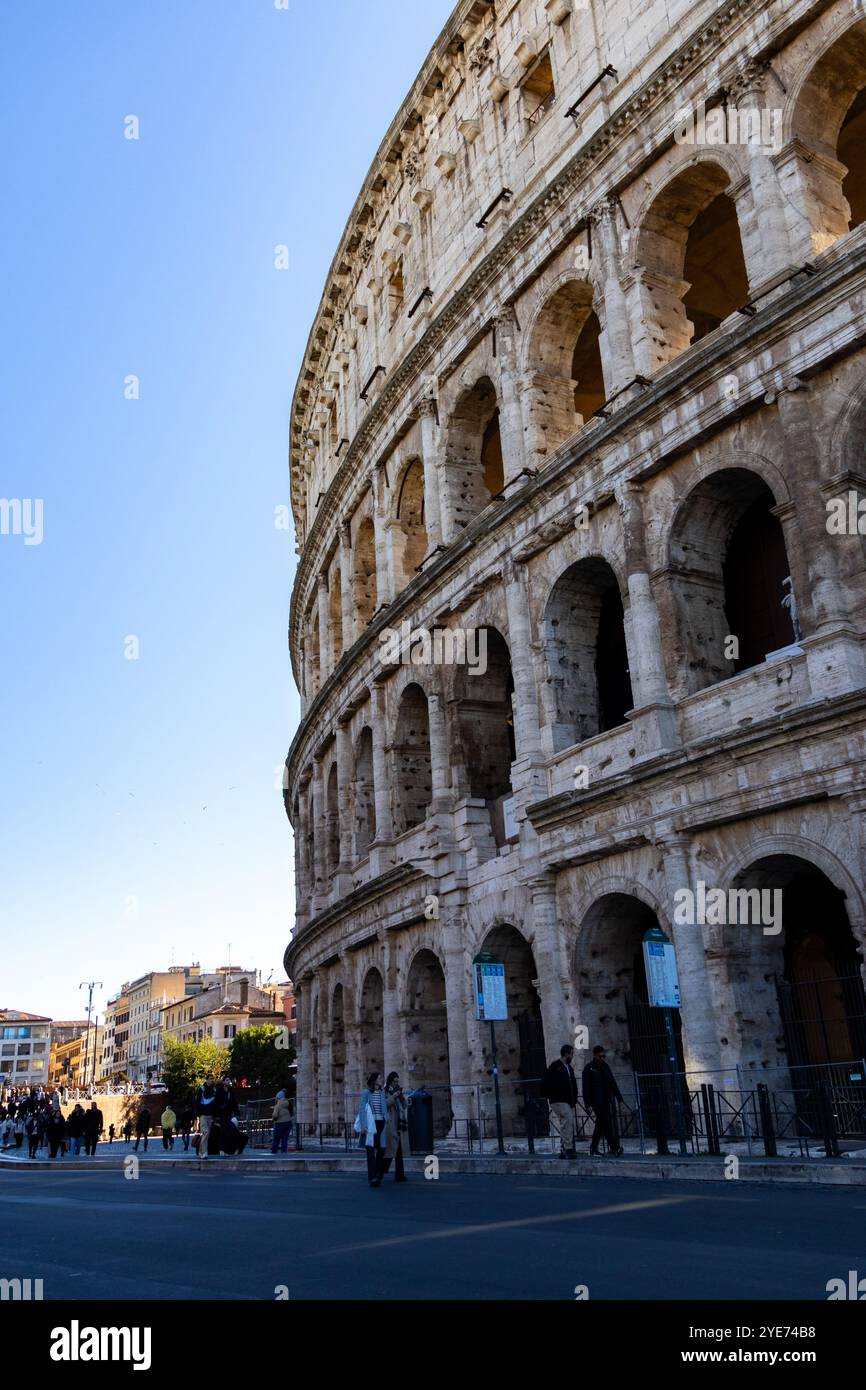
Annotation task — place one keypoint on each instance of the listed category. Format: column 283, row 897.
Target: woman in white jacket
column 370, row 1123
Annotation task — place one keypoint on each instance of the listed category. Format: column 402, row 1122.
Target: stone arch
column 484, row 729
column 332, row 821
column 588, row 686
column 364, row 794
column 409, row 531
column 371, row 1030
column 564, row 382
column 426, row 1033
column 795, row 967
column 364, row 574
column 824, row 172
column 611, row 980
column 520, row 1042
column 473, row 453
column 313, row 649
column 689, row 260
column 410, row 752
column 727, row 557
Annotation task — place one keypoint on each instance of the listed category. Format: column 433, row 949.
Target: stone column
column 302, row 886
column 324, row 644
column 550, row 419
column 701, row 1045
column 393, row 1058
column 381, row 781
column 833, row 649
column 306, row 1106
column 609, row 299
column 760, row 205
column 458, row 1005
column 346, row 781
column 440, row 763
column 815, row 207
column 434, row 492
column 526, row 721
column 510, row 412
column 384, row 556
column 654, row 712
column 660, row 326
column 320, row 875
column 551, row 964
column 347, row 607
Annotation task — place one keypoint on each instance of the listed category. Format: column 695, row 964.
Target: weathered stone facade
column 582, row 383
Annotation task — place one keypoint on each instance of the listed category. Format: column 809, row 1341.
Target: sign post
column 663, row 990
column 488, row 978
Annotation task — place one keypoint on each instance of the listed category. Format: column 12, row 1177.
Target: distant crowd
column 35, row 1114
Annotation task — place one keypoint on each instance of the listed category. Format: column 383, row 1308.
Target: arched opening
column 586, row 371
column 851, row 152
column 589, row 687
column 413, row 781
column 365, row 796
column 728, row 563
column 825, row 172
column 335, row 615
column 364, row 579
column 795, row 975
column 691, row 237
column 473, row 455
column 427, row 1036
column 520, row 1043
column 312, row 651
column 410, row 533
column 338, row 1054
column 486, row 728
column 614, row 1002
column 332, row 822
column 566, row 383
column 372, row 1029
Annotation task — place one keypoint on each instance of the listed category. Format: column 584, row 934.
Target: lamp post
column 89, row 985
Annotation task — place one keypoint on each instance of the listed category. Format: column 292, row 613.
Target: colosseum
column 578, row 622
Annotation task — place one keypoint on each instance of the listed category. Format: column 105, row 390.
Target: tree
column 261, row 1056
column 187, row 1064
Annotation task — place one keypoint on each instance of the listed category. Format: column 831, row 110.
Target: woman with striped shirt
column 370, row 1124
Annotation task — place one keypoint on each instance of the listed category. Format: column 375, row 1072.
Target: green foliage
column 259, row 1056
column 187, row 1064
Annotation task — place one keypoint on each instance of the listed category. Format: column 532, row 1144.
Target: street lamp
column 89, row 985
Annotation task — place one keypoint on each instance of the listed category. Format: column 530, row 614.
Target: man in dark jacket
column 143, row 1124
column 92, row 1129
column 599, row 1093
column 560, row 1089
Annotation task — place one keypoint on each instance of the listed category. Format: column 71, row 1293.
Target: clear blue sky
column 157, row 779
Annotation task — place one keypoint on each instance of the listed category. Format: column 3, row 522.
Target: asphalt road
column 185, row 1235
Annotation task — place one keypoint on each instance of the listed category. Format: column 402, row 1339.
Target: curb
column 799, row 1172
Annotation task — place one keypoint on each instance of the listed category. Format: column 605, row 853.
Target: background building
column 25, row 1042
column 218, row 1014
column 76, row 1061
column 583, row 388
column 147, row 997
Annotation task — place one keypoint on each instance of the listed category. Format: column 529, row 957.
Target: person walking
column 127, row 1131
column 75, row 1130
column 32, row 1128
column 55, row 1132
column 396, row 1126
column 187, row 1120
column 370, row 1123
column 111, row 1134
column 559, row 1089
column 206, row 1109
column 282, row 1118
column 600, row 1091
column 168, row 1120
column 142, row 1127
column 93, row 1126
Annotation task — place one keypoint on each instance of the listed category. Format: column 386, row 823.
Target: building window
column 230, row 1030
column 538, row 90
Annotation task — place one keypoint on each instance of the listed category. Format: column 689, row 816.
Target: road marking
column 485, row 1228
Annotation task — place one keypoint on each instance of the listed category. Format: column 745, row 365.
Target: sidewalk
column 843, row 1172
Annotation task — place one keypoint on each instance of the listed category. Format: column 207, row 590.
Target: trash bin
column 420, row 1121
